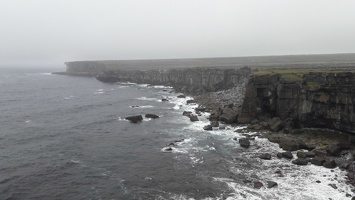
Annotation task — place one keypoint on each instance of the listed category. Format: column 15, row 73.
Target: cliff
column 315, row 99
column 190, row 80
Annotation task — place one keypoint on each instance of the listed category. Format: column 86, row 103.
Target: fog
column 48, row 33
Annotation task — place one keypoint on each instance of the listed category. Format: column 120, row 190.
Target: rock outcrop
column 318, row 100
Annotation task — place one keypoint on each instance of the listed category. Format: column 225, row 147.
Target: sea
column 65, row 137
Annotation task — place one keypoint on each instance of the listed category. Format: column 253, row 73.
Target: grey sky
column 50, row 32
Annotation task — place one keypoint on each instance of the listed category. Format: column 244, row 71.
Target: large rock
column 287, row 154
column 193, row 118
column 300, row 161
column 186, row 113
column 265, row 156
column 291, row 145
column 181, row 96
column 331, row 164
column 228, row 115
column 244, row 142
column 135, row 119
column 214, row 124
column 258, row 185
column 318, row 161
column 152, row 116
column 275, row 124
column 207, row 128
column 333, row 150
column 271, row 184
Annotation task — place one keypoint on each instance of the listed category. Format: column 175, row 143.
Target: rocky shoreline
column 317, row 146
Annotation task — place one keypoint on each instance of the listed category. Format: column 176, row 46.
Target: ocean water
column 65, row 137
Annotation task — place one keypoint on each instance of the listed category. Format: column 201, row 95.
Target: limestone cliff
column 322, row 99
column 190, row 80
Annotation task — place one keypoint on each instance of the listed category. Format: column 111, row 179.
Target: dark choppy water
column 64, row 137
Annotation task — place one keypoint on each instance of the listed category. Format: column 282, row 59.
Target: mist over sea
column 64, row 137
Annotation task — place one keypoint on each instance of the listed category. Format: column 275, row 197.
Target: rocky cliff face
column 325, row 100
column 191, row 80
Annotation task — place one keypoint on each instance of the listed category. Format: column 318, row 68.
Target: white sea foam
column 148, row 99
column 145, row 106
column 27, row 121
column 69, row 97
column 38, row 74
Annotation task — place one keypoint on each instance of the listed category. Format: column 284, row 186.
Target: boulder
column 279, row 155
column 186, row 113
column 228, row 115
column 331, row 164
column 258, row 185
column 275, row 124
column 152, row 116
column 344, row 165
column 301, row 154
column 193, row 118
column 310, row 154
column 181, row 96
column 265, row 156
column 333, row 150
column 300, row 161
column 291, row 145
column 164, row 100
column 271, row 184
column 318, row 161
column 214, row 124
column 207, row 128
column 135, row 119
column 244, row 142
column 287, row 154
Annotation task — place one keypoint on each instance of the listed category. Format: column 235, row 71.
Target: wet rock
column 287, row 154
column 318, row 161
column 207, row 128
column 168, row 149
column 300, row 161
column 344, row 165
column 333, row 150
column 318, row 181
column 331, row 164
column 186, row 113
column 310, row 154
column 193, row 118
column 244, row 142
column 301, row 154
column 152, row 116
column 265, row 156
column 214, row 124
column 228, row 115
column 135, row 106
column 291, row 145
column 333, row 186
column 135, row 119
column 181, row 96
column 255, row 126
column 275, row 124
column 164, row 100
column 190, row 101
column 279, row 155
column 271, row 184
column 258, row 185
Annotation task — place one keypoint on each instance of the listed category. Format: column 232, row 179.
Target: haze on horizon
column 48, row 33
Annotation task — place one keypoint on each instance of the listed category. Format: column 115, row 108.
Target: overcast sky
column 50, row 32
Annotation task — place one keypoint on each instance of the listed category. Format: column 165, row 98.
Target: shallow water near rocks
column 66, row 137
